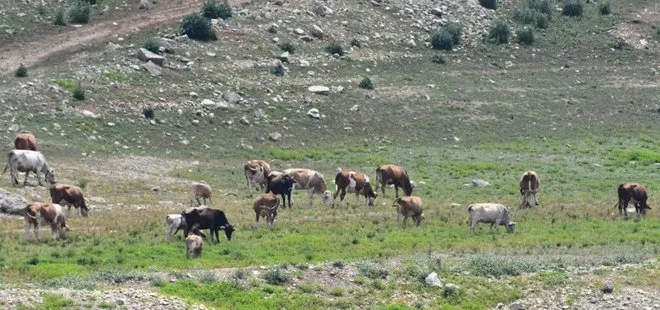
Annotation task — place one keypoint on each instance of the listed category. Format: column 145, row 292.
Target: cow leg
column 257, row 217
column 26, row 177
column 334, row 198
column 27, row 231
column 396, row 191
column 293, row 188
column 210, row 202
column 310, row 193
column 169, row 233
column 625, row 208
column 357, row 200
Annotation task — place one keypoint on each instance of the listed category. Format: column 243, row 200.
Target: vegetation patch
column 499, row 32
column 213, row 9
column 572, row 8
column 79, row 13
column 21, row 71
column 198, row 27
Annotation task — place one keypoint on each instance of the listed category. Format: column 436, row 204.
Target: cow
column 634, row 192
column 28, row 161
column 281, row 184
column 193, row 246
column 393, row 175
column 312, row 181
column 175, row 222
column 409, row 206
column 493, row 213
column 353, row 182
column 205, row 218
column 529, row 187
column 266, row 206
column 199, row 190
column 256, row 172
column 69, row 195
column 50, row 213
column 25, row 141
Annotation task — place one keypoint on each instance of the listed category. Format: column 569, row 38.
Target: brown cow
column 70, row 196
column 200, row 190
column 409, row 206
column 353, row 182
column 266, row 206
column 310, row 180
column 25, row 141
column 634, row 192
column 391, row 174
column 529, row 186
column 50, row 213
column 256, row 172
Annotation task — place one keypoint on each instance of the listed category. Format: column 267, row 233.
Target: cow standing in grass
column 353, row 182
column 493, row 213
column 312, row 181
column 266, row 206
column 28, row 161
column 200, row 190
column 636, row 193
column 281, row 184
column 393, row 175
column 409, row 206
column 69, row 195
column 194, row 245
column 25, row 141
column 529, row 187
column 205, row 218
column 49, row 213
column 256, row 172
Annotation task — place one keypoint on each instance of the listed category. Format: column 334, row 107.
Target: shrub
column 372, row 270
column 149, row 113
column 604, row 7
column 279, row 69
column 198, row 27
column 542, row 6
column 79, row 93
column 151, row 45
column 438, row 59
column 527, row 16
column 542, row 21
column 288, row 47
column 335, row 48
column 59, row 18
column 277, row 277
column 489, row 4
column 495, row 266
column 21, row 71
column 355, row 42
column 212, row 9
column 366, row 83
column 572, row 8
column 455, row 30
column 41, row 10
column 442, row 40
column 79, row 13
column 525, row 36
column 499, row 32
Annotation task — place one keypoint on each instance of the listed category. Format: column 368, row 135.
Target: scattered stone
column 314, row 112
column 355, row 108
column 319, row 89
column 245, row 121
column 209, row 104
column 193, row 95
column 152, row 68
column 231, row 97
column 210, row 54
column 182, row 39
column 337, row 89
column 275, row 136
column 306, row 38
column 608, row 287
column 322, row 10
column 144, row 5
column 451, row 289
column 167, row 45
column 155, row 189
column 433, row 280
column 299, row 31
column 304, row 63
column 11, row 203
column 455, row 205
column 317, row 32
column 87, row 113
column 437, row 12
column 146, row 55
column 516, row 306
column 480, row 183
column 284, row 57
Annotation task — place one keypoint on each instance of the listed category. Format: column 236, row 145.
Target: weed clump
column 489, row 4
column 288, row 47
column 542, row 6
column 335, row 48
column 279, row 69
column 525, row 36
column 496, row 267
column 366, row 84
column 438, row 59
column 79, row 13
column 499, row 32
column 604, row 7
column 213, row 9
column 198, row 27
column 572, row 8
column 21, row 71
column 59, row 18
column 442, row 40
column 78, row 93
column 372, row 270
column 355, row 42
column 277, row 277
column 527, row 16
column 151, row 45
column 149, row 113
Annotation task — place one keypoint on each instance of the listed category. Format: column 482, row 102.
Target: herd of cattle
column 271, row 184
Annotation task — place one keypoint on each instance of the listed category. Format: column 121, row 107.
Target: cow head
column 370, row 194
column 229, row 230
column 327, row 198
column 49, row 176
column 84, row 211
column 510, row 226
column 643, row 208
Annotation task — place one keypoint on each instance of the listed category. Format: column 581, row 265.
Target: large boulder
column 146, row 55
column 152, row 68
column 319, row 89
column 11, row 203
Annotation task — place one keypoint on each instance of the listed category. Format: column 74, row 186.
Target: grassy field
column 581, row 114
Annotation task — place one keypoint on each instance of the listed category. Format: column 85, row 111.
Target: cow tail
column 8, row 160
column 396, row 202
column 27, row 208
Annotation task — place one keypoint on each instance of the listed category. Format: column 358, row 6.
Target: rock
column 410, row 43
column 193, row 95
column 11, row 203
column 245, row 121
column 317, row 32
column 209, row 104
column 479, row 183
column 322, row 10
column 337, row 89
column 167, row 45
column 146, row 55
column 306, row 38
column 299, row 31
column 14, row 128
column 304, row 63
column 231, row 97
column 152, row 68
column 87, row 113
column 516, row 306
column 314, row 112
column 278, row 2
column 451, row 289
column 182, row 39
column 144, row 5
column 433, row 280
column 455, row 205
column 355, row 108
column 155, row 189
column 284, row 57
column 275, row 136
column 318, row 89
column 437, row 12
column 608, row 287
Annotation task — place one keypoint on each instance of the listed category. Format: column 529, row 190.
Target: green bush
column 79, row 13
column 277, row 277
column 489, row 4
column 279, row 69
column 79, row 93
column 527, row 16
column 21, row 71
column 542, row 6
column 438, row 59
column 59, row 18
column 198, row 27
column 372, row 270
column 542, row 21
column 335, row 48
column 455, row 30
column 288, row 47
column 499, row 32
column 486, row 266
column 41, row 10
column 212, row 9
column 525, row 36
column 604, row 7
column 151, row 45
column 572, row 8
column 442, row 40
column 366, row 83
column 149, row 113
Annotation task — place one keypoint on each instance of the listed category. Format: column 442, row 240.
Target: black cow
column 280, row 184
column 206, row 218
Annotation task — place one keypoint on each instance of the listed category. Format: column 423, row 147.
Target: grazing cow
column 206, row 218
column 200, row 190
column 281, row 184
column 391, row 174
column 409, row 206
column 50, row 213
column 175, row 222
column 529, row 186
column 69, row 195
column 193, row 246
column 353, row 182
column 636, row 193
column 25, row 141
column 266, row 206
column 28, row 161
column 312, row 181
column 256, row 172
column 493, row 213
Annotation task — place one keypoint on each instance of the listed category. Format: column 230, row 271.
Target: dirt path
column 34, row 50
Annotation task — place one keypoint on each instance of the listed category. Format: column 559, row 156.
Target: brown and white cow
column 256, row 172
column 266, row 206
column 353, row 182
column 49, row 213
column 393, row 175
column 69, row 196
column 529, row 187
column 25, row 141
column 409, row 206
column 636, row 193
column 312, row 181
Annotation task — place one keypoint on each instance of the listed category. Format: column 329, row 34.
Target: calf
column 266, row 206
column 28, row 161
column 636, row 193
column 529, row 186
column 199, row 190
column 409, row 206
column 25, row 141
column 193, row 246
column 493, row 213
column 353, row 182
column 256, row 172
column 174, row 223
column 69, row 195
column 50, row 213
column 312, row 181
column 206, row 218
column 393, row 175
column 280, row 184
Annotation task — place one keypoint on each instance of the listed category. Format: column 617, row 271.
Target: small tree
column 442, row 40
column 79, row 93
column 489, row 4
column 525, row 36
column 213, row 9
column 604, row 7
column 335, row 48
column 499, row 32
column 151, row 45
column 198, row 27
column 21, row 71
column 79, row 13
column 149, row 113
column 366, row 84
column 572, row 8
column 455, row 30
column 59, row 18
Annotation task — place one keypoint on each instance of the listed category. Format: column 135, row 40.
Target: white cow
column 174, row 223
column 493, row 213
column 28, row 161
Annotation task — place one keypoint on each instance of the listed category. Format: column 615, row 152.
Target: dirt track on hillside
column 35, row 49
